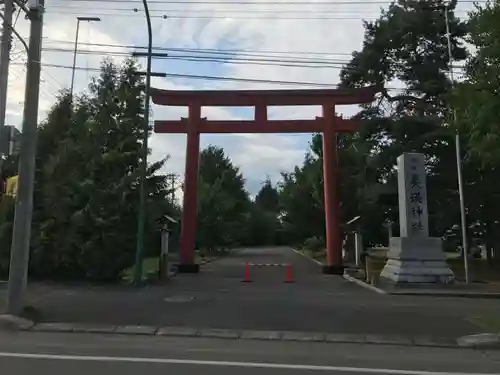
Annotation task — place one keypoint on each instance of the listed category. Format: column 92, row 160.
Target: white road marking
column 283, row 366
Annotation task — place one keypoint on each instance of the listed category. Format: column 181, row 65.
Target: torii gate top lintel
column 242, row 98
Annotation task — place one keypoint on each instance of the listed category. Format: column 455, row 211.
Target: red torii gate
column 329, row 125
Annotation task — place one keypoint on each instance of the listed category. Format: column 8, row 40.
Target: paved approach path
column 216, row 298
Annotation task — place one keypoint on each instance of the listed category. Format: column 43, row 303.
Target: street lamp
column 458, row 156
column 78, row 19
column 141, row 220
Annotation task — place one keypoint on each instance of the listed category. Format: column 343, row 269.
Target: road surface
column 83, row 354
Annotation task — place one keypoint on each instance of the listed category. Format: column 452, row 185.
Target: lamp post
column 141, row 220
column 458, row 154
column 78, row 20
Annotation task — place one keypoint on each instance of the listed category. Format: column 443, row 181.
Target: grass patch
column 149, row 267
column 479, row 270
column 488, row 323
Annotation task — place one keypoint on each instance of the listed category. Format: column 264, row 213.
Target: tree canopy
column 476, row 98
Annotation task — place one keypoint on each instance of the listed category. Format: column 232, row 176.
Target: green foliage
column 407, row 44
column 86, row 196
column 263, row 225
column 476, row 104
column 223, row 202
column 301, row 201
column 314, row 244
column 476, row 100
column 268, row 197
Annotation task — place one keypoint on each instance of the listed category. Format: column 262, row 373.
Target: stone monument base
column 416, row 260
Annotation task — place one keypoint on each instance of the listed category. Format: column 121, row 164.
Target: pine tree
column 87, row 196
column 223, row 202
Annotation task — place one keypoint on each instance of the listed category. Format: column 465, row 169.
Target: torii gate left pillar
column 328, row 124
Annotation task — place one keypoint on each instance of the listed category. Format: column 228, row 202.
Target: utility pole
column 21, row 234
column 141, row 222
column 458, row 156
column 171, row 177
column 4, row 65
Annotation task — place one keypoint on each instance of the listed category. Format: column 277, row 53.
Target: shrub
column 314, row 244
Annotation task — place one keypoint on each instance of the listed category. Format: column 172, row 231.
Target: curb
column 364, row 285
column 14, row 323
column 255, row 335
column 480, row 341
column 447, row 294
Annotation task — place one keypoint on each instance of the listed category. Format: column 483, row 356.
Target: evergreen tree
column 223, row 202
column 86, row 202
column 268, row 197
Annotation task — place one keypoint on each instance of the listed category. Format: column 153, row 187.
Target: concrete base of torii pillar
column 416, row 260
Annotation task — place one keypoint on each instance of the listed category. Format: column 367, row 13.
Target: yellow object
column 11, row 186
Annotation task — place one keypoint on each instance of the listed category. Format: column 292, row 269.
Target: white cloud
column 257, row 155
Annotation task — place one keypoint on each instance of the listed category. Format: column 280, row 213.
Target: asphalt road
column 44, row 354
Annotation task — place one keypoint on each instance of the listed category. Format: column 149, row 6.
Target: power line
column 296, row 63
column 206, row 77
column 210, row 8
column 167, row 12
column 225, row 51
column 335, row 10
column 226, row 17
column 243, row 2
column 234, row 79
column 47, row 75
column 216, row 56
column 50, row 90
column 214, row 13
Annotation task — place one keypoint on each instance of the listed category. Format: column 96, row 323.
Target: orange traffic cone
column 288, row 274
column 246, row 273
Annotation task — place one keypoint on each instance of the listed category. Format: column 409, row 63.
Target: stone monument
column 414, row 257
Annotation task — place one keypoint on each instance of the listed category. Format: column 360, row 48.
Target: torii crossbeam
column 328, row 124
